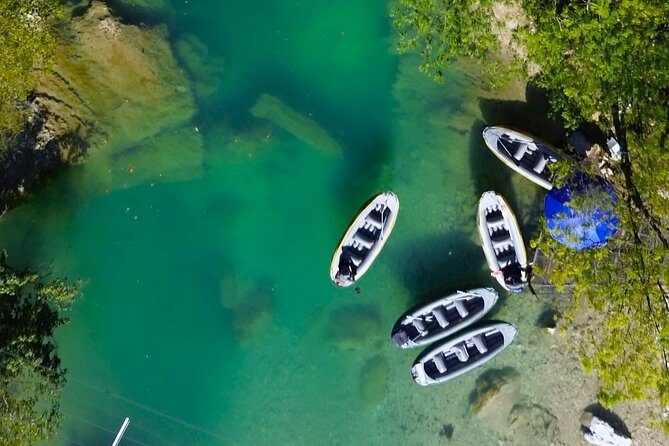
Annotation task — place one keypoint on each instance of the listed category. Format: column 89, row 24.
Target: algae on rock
column 303, row 128
column 176, row 155
column 116, row 83
column 204, row 69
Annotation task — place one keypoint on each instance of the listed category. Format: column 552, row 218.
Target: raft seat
column 502, row 245
column 541, row 164
column 480, row 344
column 461, row 352
column 361, row 239
column 505, row 258
column 440, row 316
column 521, row 149
column 493, row 216
column 462, row 308
column 420, row 326
column 439, row 362
column 499, row 234
column 371, row 229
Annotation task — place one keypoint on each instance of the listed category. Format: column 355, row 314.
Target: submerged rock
column 251, row 315
column 176, row 155
column 303, row 128
column 533, row 424
column 353, row 328
column 115, row 84
column 374, row 380
column 204, row 69
column 495, row 388
column 495, row 394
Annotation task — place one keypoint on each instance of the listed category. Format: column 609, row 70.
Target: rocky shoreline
column 108, row 80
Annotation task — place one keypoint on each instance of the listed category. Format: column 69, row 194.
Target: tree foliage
column 602, row 61
column 31, row 378
column 606, row 61
column 27, row 43
column 443, row 30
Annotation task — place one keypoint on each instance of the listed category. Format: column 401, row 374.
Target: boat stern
column 418, row 374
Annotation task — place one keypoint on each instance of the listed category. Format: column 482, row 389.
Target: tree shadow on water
column 440, row 264
column 529, row 116
column 488, row 172
column 367, row 173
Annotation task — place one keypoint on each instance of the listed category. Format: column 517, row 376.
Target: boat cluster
column 448, row 323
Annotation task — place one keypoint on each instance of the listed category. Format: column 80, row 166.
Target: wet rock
column 598, row 432
column 496, row 392
column 374, row 380
column 41, row 147
column 354, row 328
column 115, row 84
column 533, row 424
column 273, row 109
column 230, row 297
column 252, row 314
column 204, row 69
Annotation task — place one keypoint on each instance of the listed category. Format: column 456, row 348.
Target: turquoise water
column 208, row 316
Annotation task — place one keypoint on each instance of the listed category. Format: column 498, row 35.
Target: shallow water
column 208, row 316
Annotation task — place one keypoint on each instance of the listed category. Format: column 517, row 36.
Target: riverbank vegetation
column 31, row 377
column 601, row 62
column 27, row 44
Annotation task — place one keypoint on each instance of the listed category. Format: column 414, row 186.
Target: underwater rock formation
column 115, row 84
column 112, row 85
column 533, row 424
column 204, row 69
column 374, row 380
column 251, row 317
column 496, row 392
column 251, row 305
column 353, row 328
column 273, row 109
column 497, row 401
column 41, row 147
column 176, row 155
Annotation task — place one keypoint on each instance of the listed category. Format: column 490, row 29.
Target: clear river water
column 208, row 316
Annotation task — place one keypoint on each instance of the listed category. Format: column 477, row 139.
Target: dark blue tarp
column 581, row 214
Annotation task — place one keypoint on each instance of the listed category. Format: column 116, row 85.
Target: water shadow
column 532, row 116
column 438, row 264
column 132, row 14
column 547, row 318
column 488, row 172
column 609, row 417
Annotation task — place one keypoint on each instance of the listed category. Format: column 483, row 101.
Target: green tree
column 602, row 61
column 445, row 29
column 27, row 43
column 606, row 61
column 31, row 377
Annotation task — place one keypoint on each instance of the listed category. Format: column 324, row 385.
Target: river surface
column 208, row 316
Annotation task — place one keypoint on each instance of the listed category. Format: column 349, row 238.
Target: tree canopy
column 27, row 43
column 444, row 29
column 601, row 61
column 31, row 377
